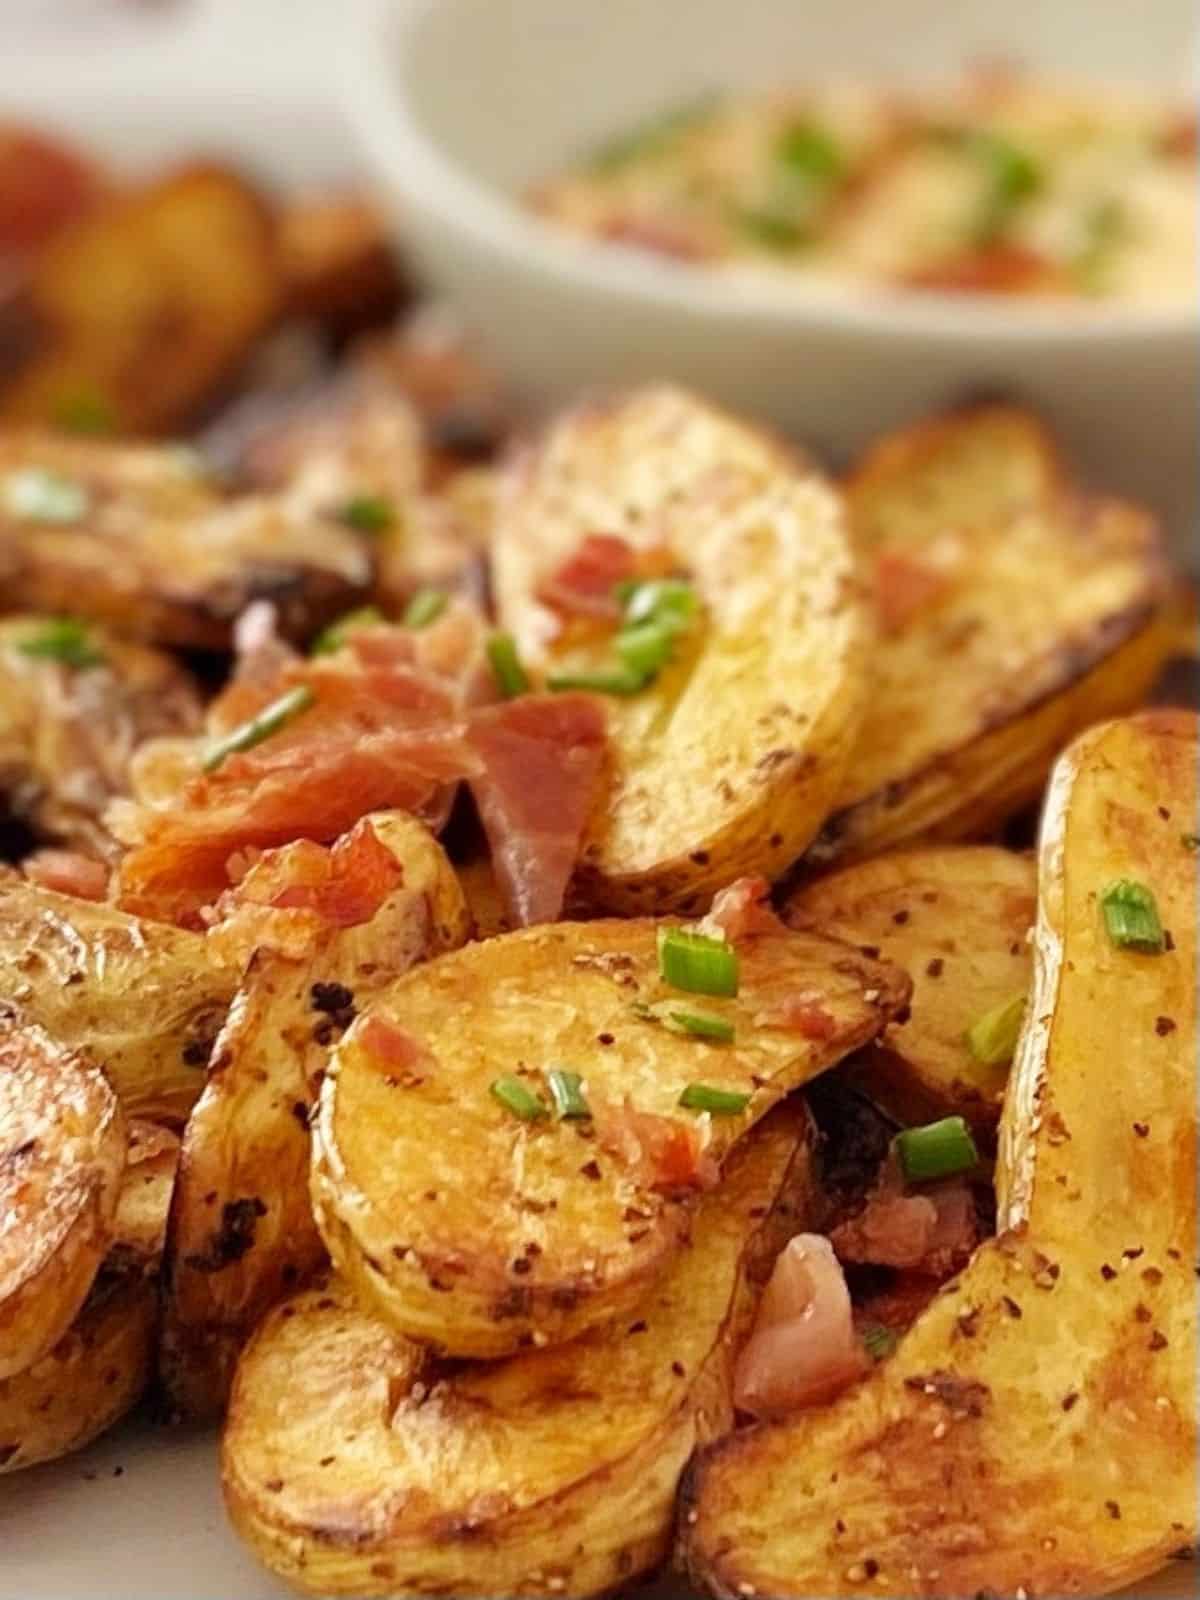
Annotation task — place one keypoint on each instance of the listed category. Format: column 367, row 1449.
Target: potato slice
column 146, row 306
column 68, row 731
column 559, row 1462
column 242, row 1233
column 730, row 761
column 62, row 1151
column 140, row 999
column 956, row 919
column 337, row 262
column 1035, row 1432
column 134, row 536
column 140, row 1225
column 474, row 1231
column 1014, row 612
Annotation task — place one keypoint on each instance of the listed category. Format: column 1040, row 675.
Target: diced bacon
column 804, row 1349
column 932, row 1231
column 801, row 1013
column 585, row 583
column 398, row 1053
column 662, row 1153
column 540, row 762
column 67, row 872
column 993, row 269
column 905, row 587
column 740, row 910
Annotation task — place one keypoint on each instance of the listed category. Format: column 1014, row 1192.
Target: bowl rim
column 406, row 156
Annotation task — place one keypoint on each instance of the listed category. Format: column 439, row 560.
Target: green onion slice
column 938, row 1150
column 268, row 721
column 39, row 495
column 880, row 1341
column 332, row 638
column 605, row 680
column 514, row 1096
column 697, row 964
column 426, row 606
column 368, row 513
column 507, row 670
column 1012, row 176
column 1131, row 917
column 707, row 1097
column 566, row 1090
column 65, row 640
column 683, row 1019
column 670, row 601
column 646, row 648
column 809, row 152
column 992, row 1038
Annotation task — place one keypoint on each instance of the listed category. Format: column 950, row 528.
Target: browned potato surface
column 337, row 262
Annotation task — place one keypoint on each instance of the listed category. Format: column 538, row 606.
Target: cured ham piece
column 585, row 585
column 741, row 910
column 67, row 872
column 659, row 1152
column 932, row 1231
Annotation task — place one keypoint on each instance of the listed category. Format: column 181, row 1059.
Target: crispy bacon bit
column 933, row 1232
column 801, row 1013
column 740, row 910
column 585, row 583
column 539, row 765
column 661, row 1153
column 392, row 1048
column 994, row 269
column 804, row 1349
column 67, row 872
column 904, row 587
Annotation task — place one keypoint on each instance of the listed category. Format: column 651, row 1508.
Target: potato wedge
column 351, row 1468
column 561, row 1224
column 133, row 536
column 146, row 306
column 62, row 1151
column 1014, row 611
column 140, row 999
column 242, row 1233
column 956, row 919
column 1035, row 1432
column 337, row 262
column 140, row 1225
column 729, row 762
column 68, row 727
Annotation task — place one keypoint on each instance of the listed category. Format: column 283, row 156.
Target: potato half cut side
column 957, row 920
column 1013, row 610
column 475, row 1231
column 1035, row 1432
column 62, row 1152
column 729, row 762
column 140, row 999
column 242, row 1233
column 560, row 1462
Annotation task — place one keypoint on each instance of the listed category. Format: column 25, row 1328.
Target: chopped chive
column 426, row 606
column 515, row 1097
column 333, row 637
column 772, row 228
column 65, row 640
column 511, row 677
column 992, row 1038
column 697, row 964
column 86, row 412
column 671, row 601
column 939, row 1150
column 880, row 1341
column 256, row 729
column 1131, row 917
column 809, row 152
column 645, row 648
column 604, row 680
column 1190, row 841
column 1012, row 176
column 700, row 1024
column 368, row 513
column 40, row 495
column 720, row 1102
column 566, row 1090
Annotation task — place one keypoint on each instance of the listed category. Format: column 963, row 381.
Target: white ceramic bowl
column 459, row 103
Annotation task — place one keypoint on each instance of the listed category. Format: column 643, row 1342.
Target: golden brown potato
column 956, row 919
column 729, row 762
column 485, row 898
column 337, row 262
column 242, row 1233
column 133, row 536
column 352, row 1468
column 140, row 1226
column 1035, row 1432
column 62, row 1151
column 562, row 1223
column 75, row 703
column 140, row 999
column 145, row 307
column 1014, row 611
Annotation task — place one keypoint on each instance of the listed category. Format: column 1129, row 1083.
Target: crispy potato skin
column 731, row 760
column 956, row 919
column 1047, row 611
column 242, row 1233
column 567, row 1202
column 1035, row 1432
column 148, row 304
column 62, row 1151
column 553, row 1471
column 138, row 998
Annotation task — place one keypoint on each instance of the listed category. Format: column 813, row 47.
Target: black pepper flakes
column 1070, row 1400
column 1158, row 1340
column 935, row 968
column 900, row 917
column 1107, row 1273
column 1164, row 1025
column 1011, row 1306
column 1142, row 1129
column 1113, row 1510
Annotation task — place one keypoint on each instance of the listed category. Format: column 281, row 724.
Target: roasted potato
column 135, row 537
column 242, row 1233
column 956, row 919
column 144, row 307
column 45, row 184
column 352, row 1468
column 75, row 703
column 563, row 1223
column 1035, row 1431
column 730, row 761
column 62, row 1152
column 337, row 262
column 140, row 1225
column 140, row 999
column 1013, row 610
column 485, row 898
